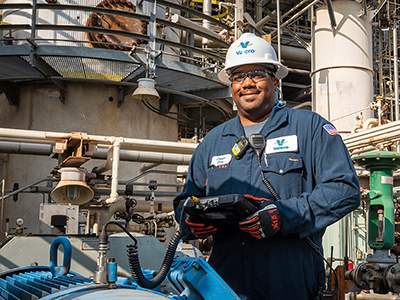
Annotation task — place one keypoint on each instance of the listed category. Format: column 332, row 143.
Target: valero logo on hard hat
column 245, row 45
column 250, row 49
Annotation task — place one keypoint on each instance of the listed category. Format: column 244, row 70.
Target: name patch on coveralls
column 282, row 144
column 221, row 160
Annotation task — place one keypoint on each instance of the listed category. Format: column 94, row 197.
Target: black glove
column 265, row 222
column 200, row 228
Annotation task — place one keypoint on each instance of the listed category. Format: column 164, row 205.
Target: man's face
column 254, row 100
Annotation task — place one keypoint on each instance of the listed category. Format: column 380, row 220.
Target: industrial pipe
column 396, row 72
column 186, row 22
column 278, row 25
column 304, row 104
column 384, row 133
column 235, row 7
column 144, row 167
column 144, row 156
column 365, row 296
column 291, row 19
column 27, row 187
column 2, row 206
column 99, row 153
column 46, row 137
column 46, row 190
column 25, row 148
column 114, row 179
column 107, row 165
column 206, row 23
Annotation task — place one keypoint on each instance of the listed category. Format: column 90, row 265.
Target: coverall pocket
column 284, row 171
column 219, row 181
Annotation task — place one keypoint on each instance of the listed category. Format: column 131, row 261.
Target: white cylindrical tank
column 342, row 73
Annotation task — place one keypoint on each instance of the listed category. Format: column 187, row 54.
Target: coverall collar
column 277, row 117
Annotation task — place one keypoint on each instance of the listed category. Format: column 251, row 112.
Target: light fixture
column 72, row 187
column 146, row 90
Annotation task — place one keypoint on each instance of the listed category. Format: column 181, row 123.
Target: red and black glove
column 200, row 228
column 265, row 222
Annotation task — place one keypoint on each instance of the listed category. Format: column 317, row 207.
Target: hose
column 134, row 264
column 133, row 258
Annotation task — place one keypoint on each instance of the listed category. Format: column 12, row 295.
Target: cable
column 306, row 239
column 267, row 183
column 133, row 258
column 122, row 227
column 154, row 109
column 316, row 249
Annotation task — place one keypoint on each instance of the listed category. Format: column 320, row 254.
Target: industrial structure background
column 71, row 110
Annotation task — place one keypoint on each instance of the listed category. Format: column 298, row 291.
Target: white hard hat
column 251, row 49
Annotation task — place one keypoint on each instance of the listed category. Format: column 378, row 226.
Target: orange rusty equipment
column 115, row 22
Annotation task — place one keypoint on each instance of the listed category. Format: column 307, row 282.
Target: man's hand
column 265, row 222
column 200, row 228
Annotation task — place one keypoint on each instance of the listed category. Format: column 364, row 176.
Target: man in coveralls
column 304, row 159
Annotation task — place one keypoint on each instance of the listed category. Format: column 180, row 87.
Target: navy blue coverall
column 316, row 182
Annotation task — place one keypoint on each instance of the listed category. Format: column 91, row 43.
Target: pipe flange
column 392, row 278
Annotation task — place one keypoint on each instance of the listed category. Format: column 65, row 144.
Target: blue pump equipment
column 191, row 277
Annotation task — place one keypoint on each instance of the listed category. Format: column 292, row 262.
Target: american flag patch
column 331, row 130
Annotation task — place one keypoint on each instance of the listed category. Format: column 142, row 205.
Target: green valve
column 381, row 165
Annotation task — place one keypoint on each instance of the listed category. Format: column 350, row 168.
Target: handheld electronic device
column 240, row 147
column 220, row 209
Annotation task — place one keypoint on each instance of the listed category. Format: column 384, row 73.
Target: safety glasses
column 255, row 75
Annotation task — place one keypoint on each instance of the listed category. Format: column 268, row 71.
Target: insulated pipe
column 99, row 153
column 369, row 123
column 186, row 22
column 304, row 104
column 144, row 167
column 385, row 133
column 374, row 296
column 372, row 139
column 292, row 9
column 47, row 137
column 108, row 164
column 206, row 23
column 296, row 54
column 373, row 132
column 396, row 72
column 114, row 179
column 278, row 24
column 236, row 8
column 150, row 157
column 2, row 206
column 25, row 148
column 294, row 17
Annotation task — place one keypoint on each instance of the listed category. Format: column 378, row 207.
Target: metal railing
column 76, row 31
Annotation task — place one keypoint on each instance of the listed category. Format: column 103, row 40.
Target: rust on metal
column 110, row 21
column 77, row 144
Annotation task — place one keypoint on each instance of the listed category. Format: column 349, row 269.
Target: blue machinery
column 190, row 277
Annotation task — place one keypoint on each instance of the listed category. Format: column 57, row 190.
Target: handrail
column 141, row 17
column 104, row 10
